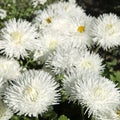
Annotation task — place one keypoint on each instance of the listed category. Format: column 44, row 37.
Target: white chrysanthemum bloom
column 49, row 41
column 69, row 8
column 32, row 94
column 44, row 18
column 5, row 112
column 3, row 13
column 17, row 38
column 62, row 60
column 9, row 68
column 37, row 2
column 97, row 94
column 105, row 31
column 79, row 30
column 89, row 62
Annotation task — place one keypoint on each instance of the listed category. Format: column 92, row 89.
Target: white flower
column 89, row 62
column 64, row 11
column 17, row 37
column 32, row 94
column 37, row 2
column 5, row 112
column 63, row 59
column 112, row 115
column 57, row 14
column 3, row 13
column 49, row 41
column 44, row 18
column 98, row 94
column 79, row 29
column 61, row 24
column 9, row 68
column 106, row 31
column 69, row 8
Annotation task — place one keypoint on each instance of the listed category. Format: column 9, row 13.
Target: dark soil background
column 97, row 7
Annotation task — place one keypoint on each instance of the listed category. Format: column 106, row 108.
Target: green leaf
column 117, row 74
column 63, row 117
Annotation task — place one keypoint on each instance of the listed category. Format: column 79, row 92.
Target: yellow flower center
column 48, row 20
column 81, row 29
column 99, row 93
column 86, row 64
column 31, row 94
column 52, row 44
column 17, row 37
column 3, row 66
column 109, row 28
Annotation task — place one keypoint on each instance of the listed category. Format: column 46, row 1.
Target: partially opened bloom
column 9, row 68
column 5, row 112
column 105, row 31
column 32, row 93
column 18, row 37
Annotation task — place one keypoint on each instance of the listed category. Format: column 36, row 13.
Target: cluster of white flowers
column 60, row 38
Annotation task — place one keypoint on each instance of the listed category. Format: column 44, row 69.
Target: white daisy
column 98, row 94
column 44, row 18
column 79, row 29
column 3, row 13
column 17, row 37
column 63, row 59
column 37, row 2
column 89, row 62
column 9, row 68
column 105, row 31
column 32, row 94
column 5, row 112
